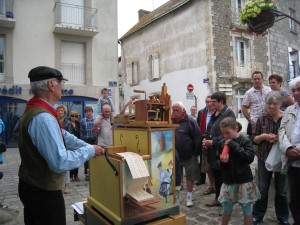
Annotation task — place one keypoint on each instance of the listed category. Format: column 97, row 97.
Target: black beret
column 43, row 73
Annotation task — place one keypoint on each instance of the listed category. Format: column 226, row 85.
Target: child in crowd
column 105, row 99
column 238, row 187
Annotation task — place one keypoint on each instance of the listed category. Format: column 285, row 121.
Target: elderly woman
column 275, row 82
column 264, row 137
column 289, row 139
column 61, row 116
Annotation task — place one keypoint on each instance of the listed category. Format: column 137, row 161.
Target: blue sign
column 14, row 90
column 112, row 84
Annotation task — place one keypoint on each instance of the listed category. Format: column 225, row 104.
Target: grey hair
column 293, row 83
column 39, row 88
column 273, row 97
column 180, row 104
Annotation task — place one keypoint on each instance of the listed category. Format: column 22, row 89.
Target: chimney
column 142, row 13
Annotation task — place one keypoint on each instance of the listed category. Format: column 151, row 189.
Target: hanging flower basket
column 258, row 15
column 262, row 22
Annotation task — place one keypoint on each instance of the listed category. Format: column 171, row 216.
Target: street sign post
column 190, row 96
column 190, row 88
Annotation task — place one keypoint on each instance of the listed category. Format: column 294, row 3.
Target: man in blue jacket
column 187, row 144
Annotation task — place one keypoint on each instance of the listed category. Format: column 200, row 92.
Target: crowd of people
column 54, row 144
column 273, row 121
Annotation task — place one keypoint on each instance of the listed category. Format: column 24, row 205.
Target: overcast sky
column 128, row 12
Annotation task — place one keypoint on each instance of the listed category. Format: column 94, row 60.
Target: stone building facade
column 201, row 42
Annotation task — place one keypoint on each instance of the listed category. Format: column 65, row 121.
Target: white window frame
column 154, row 67
column 239, row 4
column 132, row 77
column 292, row 23
column 135, row 76
column 241, row 51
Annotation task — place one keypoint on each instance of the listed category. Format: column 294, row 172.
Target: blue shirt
column 46, row 135
column 86, row 129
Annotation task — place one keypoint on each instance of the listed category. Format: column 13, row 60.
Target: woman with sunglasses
column 75, row 130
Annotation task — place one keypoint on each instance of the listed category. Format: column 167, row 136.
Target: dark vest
column 34, row 169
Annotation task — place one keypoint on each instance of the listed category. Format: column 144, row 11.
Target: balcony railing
column 75, row 73
column 68, row 17
column 244, row 70
column 7, row 13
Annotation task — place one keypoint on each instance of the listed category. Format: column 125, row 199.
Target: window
column 240, row 52
column 240, row 4
column 73, row 61
column 292, row 23
column 239, row 97
column 293, row 63
column 2, row 7
column 6, row 8
column 2, row 58
column 154, row 68
column 132, row 73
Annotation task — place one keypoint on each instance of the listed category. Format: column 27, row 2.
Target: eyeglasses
column 296, row 89
column 62, row 82
column 74, row 116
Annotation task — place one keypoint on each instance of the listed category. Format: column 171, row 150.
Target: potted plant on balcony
column 259, row 15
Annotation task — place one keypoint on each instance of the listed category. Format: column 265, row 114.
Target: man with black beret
column 47, row 151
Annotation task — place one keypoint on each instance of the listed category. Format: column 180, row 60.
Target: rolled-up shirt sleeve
column 47, row 136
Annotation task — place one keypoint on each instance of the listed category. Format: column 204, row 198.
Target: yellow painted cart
column 108, row 204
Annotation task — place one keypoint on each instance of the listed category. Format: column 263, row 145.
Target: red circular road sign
column 190, row 88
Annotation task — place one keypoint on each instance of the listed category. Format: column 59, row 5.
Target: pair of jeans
column 281, row 192
column 42, row 207
column 294, row 188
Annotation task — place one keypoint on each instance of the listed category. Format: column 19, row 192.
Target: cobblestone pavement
column 198, row 214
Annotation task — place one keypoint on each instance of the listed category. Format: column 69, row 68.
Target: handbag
column 2, row 147
column 273, row 161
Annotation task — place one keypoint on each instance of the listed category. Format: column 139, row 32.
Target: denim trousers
column 294, row 188
column 281, row 192
column 42, row 207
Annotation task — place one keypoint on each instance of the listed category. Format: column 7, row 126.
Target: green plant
column 253, row 8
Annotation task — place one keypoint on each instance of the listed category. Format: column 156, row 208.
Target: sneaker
column 255, row 221
column 189, row 202
column 3, row 206
column 283, row 222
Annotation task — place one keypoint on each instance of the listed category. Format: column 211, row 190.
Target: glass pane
column 13, row 112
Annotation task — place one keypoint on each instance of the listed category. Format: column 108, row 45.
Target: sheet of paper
column 78, row 206
column 136, row 164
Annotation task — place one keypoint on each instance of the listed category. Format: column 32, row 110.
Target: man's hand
column 273, row 138
column 292, row 153
column 99, row 151
column 206, row 143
